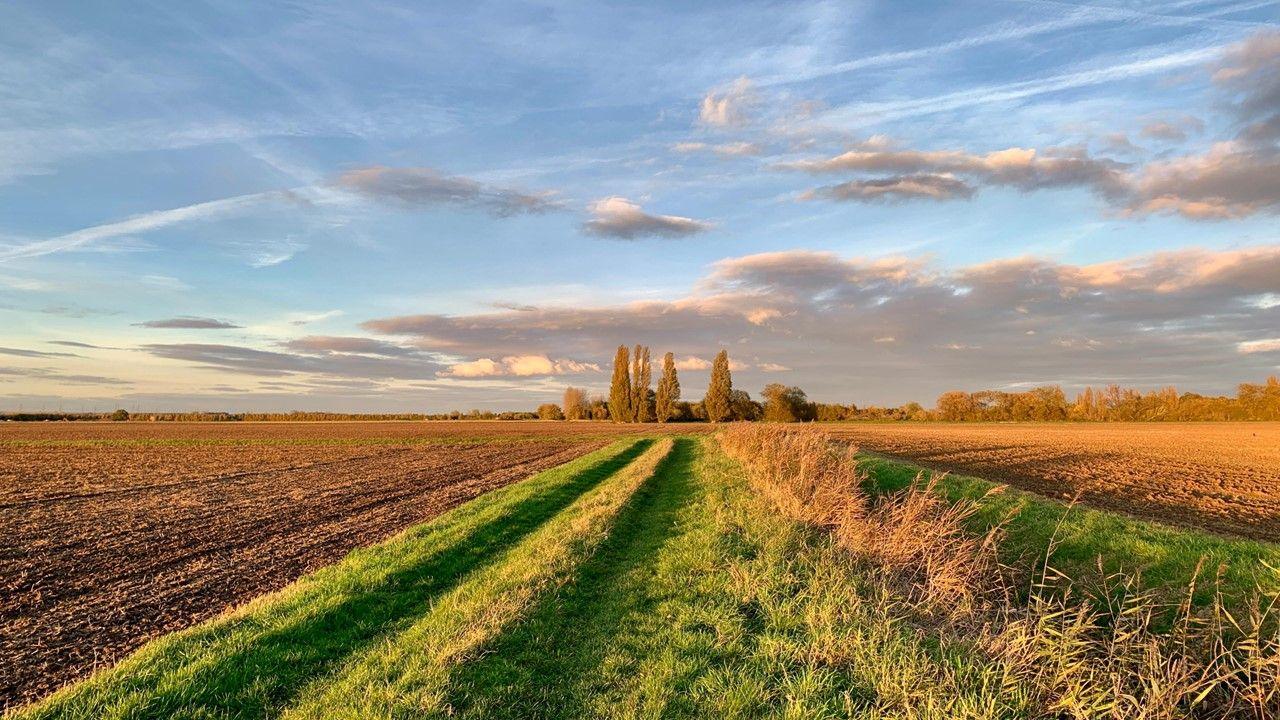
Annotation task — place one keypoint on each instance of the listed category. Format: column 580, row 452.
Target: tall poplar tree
column 620, row 388
column 717, row 399
column 641, row 374
column 668, row 389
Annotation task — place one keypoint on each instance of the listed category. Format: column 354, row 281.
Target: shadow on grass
column 260, row 677
column 544, row 667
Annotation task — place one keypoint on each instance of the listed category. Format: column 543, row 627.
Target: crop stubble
column 112, row 534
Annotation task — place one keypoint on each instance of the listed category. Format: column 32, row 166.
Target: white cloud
column 729, row 107
column 1259, row 346
column 692, row 363
column 519, row 366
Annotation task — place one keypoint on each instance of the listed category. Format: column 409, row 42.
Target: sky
column 420, row 207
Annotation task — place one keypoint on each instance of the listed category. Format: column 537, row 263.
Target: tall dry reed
column 1110, row 653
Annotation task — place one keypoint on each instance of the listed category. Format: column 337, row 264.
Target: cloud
column 270, row 253
column 188, row 323
column 729, row 107
column 1175, row 130
column 61, row 377
column 1250, row 72
column 772, row 367
column 860, row 325
column 518, row 366
column 1231, row 180
column 1258, row 346
column 308, row 318
column 327, row 344
column 146, row 222
column 422, row 187
column 732, row 149
column 20, row 352
column 618, row 217
column 1234, row 178
column 693, row 363
column 896, row 188
column 319, row 358
column 78, row 344
column 863, row 114
column 1023, row 168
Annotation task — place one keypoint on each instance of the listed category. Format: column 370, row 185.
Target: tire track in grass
column 643, row 620
column 407, row 675
column 255, row 661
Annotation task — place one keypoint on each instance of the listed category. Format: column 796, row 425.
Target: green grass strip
column 1165, row 555
column 253, row 662
column 705, row 603
column 406, row 675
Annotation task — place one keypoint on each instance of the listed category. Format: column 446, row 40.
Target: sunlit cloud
column 620, row 218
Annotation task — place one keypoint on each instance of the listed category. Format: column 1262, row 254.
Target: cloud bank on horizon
column 349, row 208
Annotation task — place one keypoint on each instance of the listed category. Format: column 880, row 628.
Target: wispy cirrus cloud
column 146, row 222
column 423, row 187
column 312, row 360
column 22, row 352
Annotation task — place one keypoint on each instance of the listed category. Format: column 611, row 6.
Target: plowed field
column 1222, row 477
column 111, row 534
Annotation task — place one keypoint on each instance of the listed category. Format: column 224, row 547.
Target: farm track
column 87, row 579
column 1220, row 477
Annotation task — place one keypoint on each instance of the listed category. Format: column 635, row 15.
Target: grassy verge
column 1165, row 556
column 253, row 662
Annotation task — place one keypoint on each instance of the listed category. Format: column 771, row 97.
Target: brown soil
column 112, row 534
column 1221, row 477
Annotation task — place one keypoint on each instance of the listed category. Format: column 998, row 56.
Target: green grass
column 1166, row 556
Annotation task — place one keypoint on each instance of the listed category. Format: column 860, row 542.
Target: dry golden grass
column 1104, row 656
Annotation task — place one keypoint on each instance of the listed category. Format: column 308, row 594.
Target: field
column 400, row 571
column 1221, row 477
column 117, row 533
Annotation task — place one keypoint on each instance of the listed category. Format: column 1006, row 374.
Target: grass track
column 1166, row 555
column 406, row 675
column 253, row 662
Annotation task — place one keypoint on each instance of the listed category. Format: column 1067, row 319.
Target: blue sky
column 382, row 206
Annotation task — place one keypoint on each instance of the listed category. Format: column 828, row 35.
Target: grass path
column 703, row 603
column 631, row 630
column 252, row 663
column 406, row 675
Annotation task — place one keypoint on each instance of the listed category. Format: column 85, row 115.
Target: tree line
column 632, row 398
column 1253, row 401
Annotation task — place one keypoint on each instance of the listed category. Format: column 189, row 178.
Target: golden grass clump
column 1055, row 648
